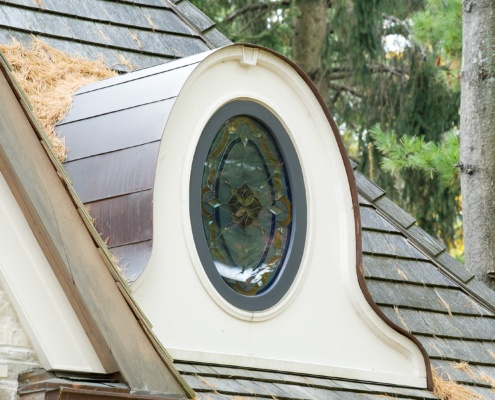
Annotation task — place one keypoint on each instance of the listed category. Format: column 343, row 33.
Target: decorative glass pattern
column 246, row 205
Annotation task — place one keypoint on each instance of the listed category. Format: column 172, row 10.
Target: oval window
column 248, row 206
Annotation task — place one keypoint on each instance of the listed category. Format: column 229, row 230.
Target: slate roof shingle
column 419, row 286
column 127, row 34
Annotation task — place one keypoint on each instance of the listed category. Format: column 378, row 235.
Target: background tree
column 362, row 57
column 478, row 138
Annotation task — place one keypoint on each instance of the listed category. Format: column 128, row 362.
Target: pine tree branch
column 254, row 7
column 386, row 68
column 342, row 88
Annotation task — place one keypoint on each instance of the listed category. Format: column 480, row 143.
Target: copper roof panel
column 125, row 219
column 114, row 174
column 143, row 73
column 118, row 97
column 115, row 131
column 133, row 258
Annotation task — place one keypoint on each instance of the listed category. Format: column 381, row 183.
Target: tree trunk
column 310, row 31
column 478, row 137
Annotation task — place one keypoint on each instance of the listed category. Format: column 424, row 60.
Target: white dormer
column 256, row 256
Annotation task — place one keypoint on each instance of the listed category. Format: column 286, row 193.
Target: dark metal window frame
column 289, row 269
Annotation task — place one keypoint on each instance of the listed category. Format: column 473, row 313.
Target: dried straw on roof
column 49, row 78
column 451, row 390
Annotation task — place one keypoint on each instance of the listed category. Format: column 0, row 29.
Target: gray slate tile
column 437, row 324
column 13, row 17
column 295, row 391
column 166, row 20
column 26, row 3
column 388, row 207
column 262, row 388
column 86, row 51
column 5, row 36
column 363, row 201
column 399, row 391
column 427, row 242
column 123, row 14
column 229, row 386
column 121, row 37
column 455, row 267
column 185, row 46
column 198, row 384
column 367, row 188
column 464, row 373
column 474, row 352
column 88, row 9
column 196, row 17
column 217, row 396
column 389, row 244
column 87, row 31
column 141, row 61
column 485, row 393
column 412, row 271
column 370, row 219
column 424, row 298
column 59, row 6
column 216, row 38
column 21, row 37
column 186, row 368
column 482, row 291
column 48, row 24
column 151, row 3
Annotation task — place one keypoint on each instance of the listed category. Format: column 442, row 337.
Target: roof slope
column 127, row 34
column 75, row 251
column 420, row 287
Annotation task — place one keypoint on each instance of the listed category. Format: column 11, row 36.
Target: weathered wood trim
column 43, row 385
column 116, row 334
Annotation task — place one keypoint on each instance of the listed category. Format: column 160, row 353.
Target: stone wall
column 16, row 352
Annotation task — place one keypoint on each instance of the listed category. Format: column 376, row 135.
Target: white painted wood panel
column 43, row 309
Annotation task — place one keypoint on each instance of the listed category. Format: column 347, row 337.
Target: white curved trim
column 185, row 195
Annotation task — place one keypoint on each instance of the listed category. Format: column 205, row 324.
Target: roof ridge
column 423, row 241
column 208, row 33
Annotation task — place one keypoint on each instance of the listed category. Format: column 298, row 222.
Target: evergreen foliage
column 409, row 86
column 414, row 153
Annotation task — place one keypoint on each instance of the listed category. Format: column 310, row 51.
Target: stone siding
column 16, row 351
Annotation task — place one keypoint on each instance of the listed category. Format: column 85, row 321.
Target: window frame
column 288, row 271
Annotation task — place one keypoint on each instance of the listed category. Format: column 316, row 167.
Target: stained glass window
column 246, row 205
